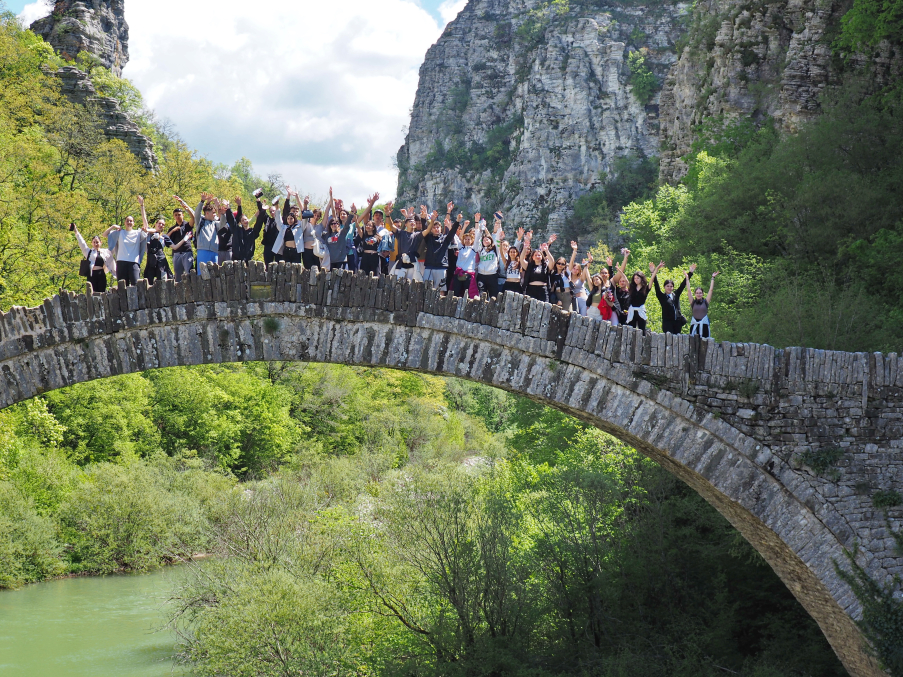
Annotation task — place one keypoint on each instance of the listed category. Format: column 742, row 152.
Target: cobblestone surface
column 747, row 426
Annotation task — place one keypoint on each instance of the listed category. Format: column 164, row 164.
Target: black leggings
column 290, row 255
column 488, row 284
column 309, row 259
column 128, row 271
column 538, row 292
column 638, row 323
column 514, row 286
column 370, row 263
column 269, row 257
column 98, row 281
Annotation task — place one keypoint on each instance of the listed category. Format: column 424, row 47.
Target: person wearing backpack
column 673, row 320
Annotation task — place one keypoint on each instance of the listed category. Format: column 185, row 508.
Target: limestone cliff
column 94, row 26
column 522, row 107
column 522, row 104
column 78, row 88
column 752, row 59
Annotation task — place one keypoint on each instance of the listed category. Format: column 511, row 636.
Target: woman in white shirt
column 100, row 261
column 128, row 246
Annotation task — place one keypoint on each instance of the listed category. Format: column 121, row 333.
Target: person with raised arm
column 672, row 319
column 243, row 237
column 368, row 239
column 290, row 231
column 312, row 232
column 537, row 265
column 335, row 238
column 436, row 242
column 157, row 266
column 699, row 308
column 639, row 291
column 224, row 232
column 100, row 261
column 128, row 246
column 562, row 280
column 181, row 235
column 405, row 238
column 207, row 238
column 489, row 259
column 270, row 233
column 465, row 279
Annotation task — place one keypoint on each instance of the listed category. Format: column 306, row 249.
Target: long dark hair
column 644, row 287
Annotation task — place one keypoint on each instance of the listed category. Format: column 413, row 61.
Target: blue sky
column 330, row 109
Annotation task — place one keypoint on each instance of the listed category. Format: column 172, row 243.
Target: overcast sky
column 319, row 91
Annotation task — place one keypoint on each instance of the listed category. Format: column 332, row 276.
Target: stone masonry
column 737, row 422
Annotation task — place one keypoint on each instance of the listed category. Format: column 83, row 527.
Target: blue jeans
column 206, row 256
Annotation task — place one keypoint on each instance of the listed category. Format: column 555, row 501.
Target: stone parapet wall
column 742, row 424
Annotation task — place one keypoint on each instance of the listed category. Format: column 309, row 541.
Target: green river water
column 88, row 627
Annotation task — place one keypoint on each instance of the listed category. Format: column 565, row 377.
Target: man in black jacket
column 672, row 319
column 244, row 238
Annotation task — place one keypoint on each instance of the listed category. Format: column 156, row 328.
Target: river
column 88, row 627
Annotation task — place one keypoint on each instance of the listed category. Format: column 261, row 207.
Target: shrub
column 29, row 549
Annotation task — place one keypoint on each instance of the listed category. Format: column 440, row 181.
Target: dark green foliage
column 632, row 177
column 868, row 22
column 642, row 79
column 886, row 498
column 805, row 228
column 882, row 612
column 823, row 461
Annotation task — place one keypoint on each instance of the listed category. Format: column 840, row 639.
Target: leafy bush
column 642, row 79
column 29, row 549
column 125, row 517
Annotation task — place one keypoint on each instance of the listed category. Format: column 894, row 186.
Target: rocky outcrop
column 77, row 87
column 751, row 59
column 94, row 26
column 522, row 109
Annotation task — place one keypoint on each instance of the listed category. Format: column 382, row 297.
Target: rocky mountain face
column 99, row 28
column 78, row 88
column 94, row 26
column 752, row 59
column 525, row 104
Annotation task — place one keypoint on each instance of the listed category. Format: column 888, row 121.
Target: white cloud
column 34, row 11
column 317, row 90
column 449, row 9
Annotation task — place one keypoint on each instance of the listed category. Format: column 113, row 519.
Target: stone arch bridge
column 790, row 445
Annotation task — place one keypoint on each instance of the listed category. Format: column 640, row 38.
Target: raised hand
column 589, row 257
column 544, row 247
column 573, row 245
column 306, row 200
column 451, row 205
column 404, row 213
column 610, row 261
column 422, row 210
column 520, row 234
column 238, row 200
column 140, row 200
column 692, row 267
column 353, row 208
column 552, row 238
column 476, row 217
column 330, row 192
column 435, row 215
column 652, row 267
column 716, row 274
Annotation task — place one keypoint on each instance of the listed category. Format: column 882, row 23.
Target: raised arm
column 689, row 289
column 708, row 297
column 523, row 252
column 683, row 285
column 573, row 257
column 623, row 266
column 81, row 241
column 654, row 270
column 145, row 226
column 185, row 210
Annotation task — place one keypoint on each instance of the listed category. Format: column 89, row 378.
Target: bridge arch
column 732, row 421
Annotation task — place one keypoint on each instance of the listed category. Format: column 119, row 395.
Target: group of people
column 458, row 256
